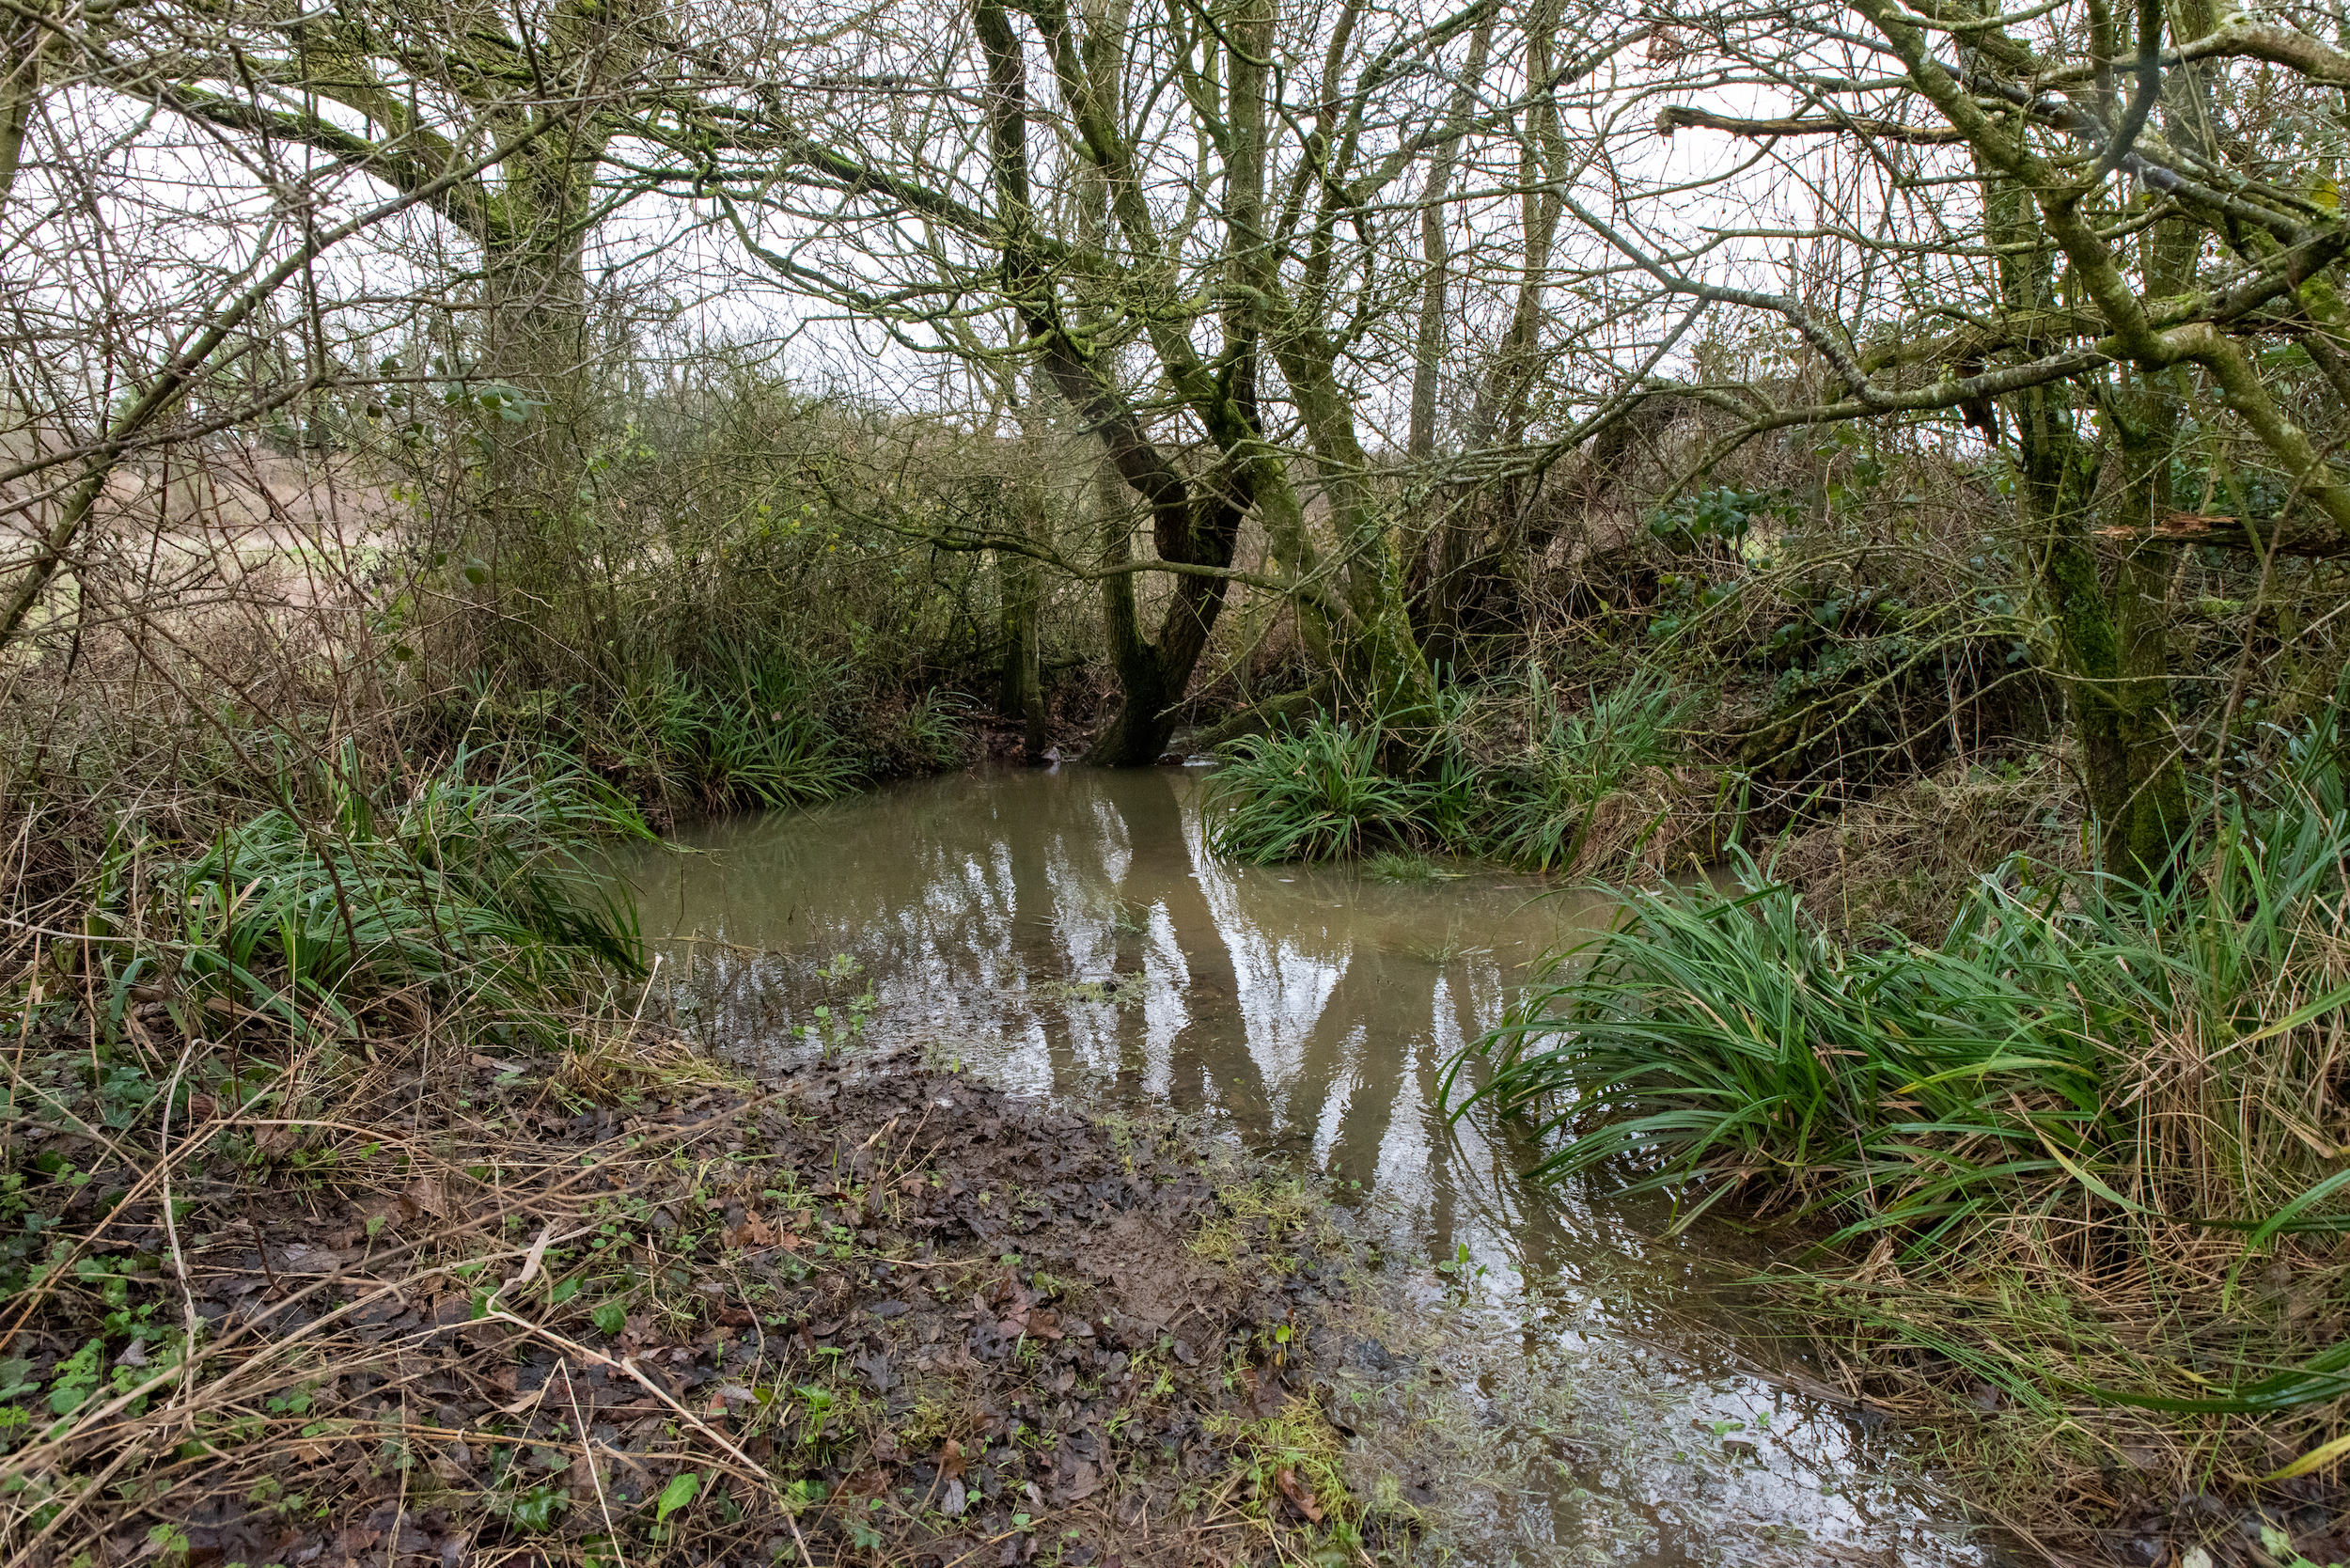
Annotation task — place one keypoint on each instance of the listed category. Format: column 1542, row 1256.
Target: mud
column 877, row 1312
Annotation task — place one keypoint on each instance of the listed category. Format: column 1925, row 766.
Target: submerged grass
column 2100, row 1126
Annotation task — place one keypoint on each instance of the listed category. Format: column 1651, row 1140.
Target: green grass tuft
column 1317, row 794
column 469, row 886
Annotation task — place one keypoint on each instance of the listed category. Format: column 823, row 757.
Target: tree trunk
column 2109, row 640
column 23, row 42
column 1446, row 586
column 535, row 343
column 534, row 360
column 1435, row 250
column 1194, row 523
column 1021, row 682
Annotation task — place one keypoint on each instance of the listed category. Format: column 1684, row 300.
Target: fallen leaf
column 871, row 1483
column 1298, row 1492
column 753, row 1232
column 584, row 1480
column 951, row 1460
column 426, row 1193
column 302, row 1258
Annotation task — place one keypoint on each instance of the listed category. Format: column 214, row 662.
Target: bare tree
column 2085, row 235
column 1203, row 221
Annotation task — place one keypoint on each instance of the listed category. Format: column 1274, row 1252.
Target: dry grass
column 1661, row 822
column 614, row 1304
column 1905, row 859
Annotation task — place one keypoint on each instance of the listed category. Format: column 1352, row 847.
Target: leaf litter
column 621, row 1308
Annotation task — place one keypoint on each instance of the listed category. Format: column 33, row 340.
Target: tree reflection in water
column 1068, row 933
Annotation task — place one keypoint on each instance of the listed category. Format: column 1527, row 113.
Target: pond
column 1573, row 1387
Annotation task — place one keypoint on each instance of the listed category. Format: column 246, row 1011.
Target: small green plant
column 1462, row 1272
column 1913, row 1091
column 1400, row 866
column 474, row 890
column 535, row 1508
column 682, row 1489
column 2283, row 1553
column 1318, row 795
column 834, row 1030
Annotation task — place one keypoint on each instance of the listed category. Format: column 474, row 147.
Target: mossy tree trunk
column 2110, row 626
column 536, row 495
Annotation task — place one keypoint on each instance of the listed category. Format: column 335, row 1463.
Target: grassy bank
column 2073, row 1174
column 351, row 1208
column 1519, row 773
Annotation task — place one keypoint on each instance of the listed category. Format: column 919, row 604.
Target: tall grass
column 2145, row 1051
column 468, row 888
column 2079, row 1141
column 1540, row 808
column 1317, row 794
column 1321, row 793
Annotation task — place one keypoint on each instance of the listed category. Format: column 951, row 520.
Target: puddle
column 1566, row 1384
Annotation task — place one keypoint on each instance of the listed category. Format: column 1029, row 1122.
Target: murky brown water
column 1067, row 932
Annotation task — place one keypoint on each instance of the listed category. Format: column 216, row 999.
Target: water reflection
column 1069, row 932
column 1063, row 929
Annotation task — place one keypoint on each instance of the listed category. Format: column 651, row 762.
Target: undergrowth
column 1523, row 775
column 2081, row 1157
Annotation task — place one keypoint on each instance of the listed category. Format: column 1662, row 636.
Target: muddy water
column 1569, row 1388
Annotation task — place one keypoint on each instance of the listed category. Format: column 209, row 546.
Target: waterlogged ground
column 1566, row 1387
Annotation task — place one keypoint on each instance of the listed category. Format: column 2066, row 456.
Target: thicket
column 1479, row 451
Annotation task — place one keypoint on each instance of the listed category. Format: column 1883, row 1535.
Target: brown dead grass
column 493, row 1310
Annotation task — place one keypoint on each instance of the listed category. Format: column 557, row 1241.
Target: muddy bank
column 624, row 1307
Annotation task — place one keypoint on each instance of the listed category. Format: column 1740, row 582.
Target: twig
column 627, row 1365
